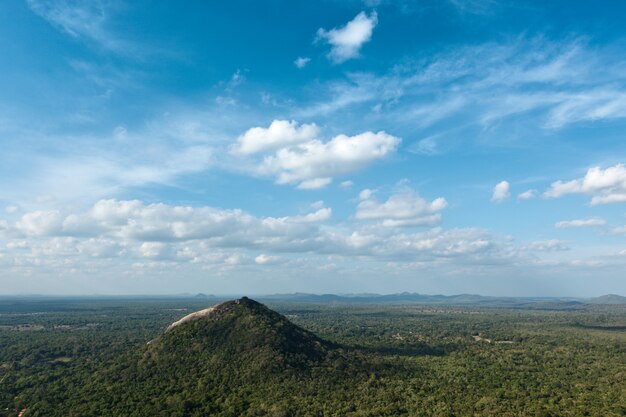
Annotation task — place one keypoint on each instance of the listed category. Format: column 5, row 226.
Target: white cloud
column 264, row 259
column 527, row 195
column 120, row 133
column 153, row 249
column 405, row 208
column 132, row 231
column 553, row 83
column 237, row 78
column 83, row 19
column 40, row 222
column 346, row 184
column 101, row 248
column 579, row 223
column 18, row 244
column 313, row 164
column 365, row 194
column 320, row 215
column 134, row 220
column 279, row 134
column 501, row 192
column 481, row 7
column 347, row 40
column 301, row 62
column 317, row 204
column 593, row 105
column 550, row 245
column 234, row 259
column 85, row 168
column 142, row 241
column 314, row 184
column 604, row 185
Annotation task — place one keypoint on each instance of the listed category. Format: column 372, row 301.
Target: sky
column 336, row 146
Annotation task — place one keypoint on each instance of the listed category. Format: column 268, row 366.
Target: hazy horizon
column 285, row 294
column 438, row 147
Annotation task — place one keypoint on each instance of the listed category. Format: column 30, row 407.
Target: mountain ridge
column 408, row 297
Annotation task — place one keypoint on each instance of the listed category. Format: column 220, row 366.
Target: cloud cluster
column 135, row 231
column 280, row 133
column 293, row 154
column 129, row 238
column 603, row 185
column 134, row 220
column 346, row 41
column 405, row 208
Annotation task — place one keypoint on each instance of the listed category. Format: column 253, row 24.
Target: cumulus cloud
column 603, row 185
column 100, row 247
column 405, row 208
column 320, row 215
column 153, row 249
column 280, row 133
column 140, row 233
column 313, row 164
column 501, row 192
column 134, row 220
column 40, row 223
column 527, row 195
column 264, row 259
column 347, row 40
column 565, row 224
column 301, row 62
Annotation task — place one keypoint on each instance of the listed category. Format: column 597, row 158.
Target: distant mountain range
column 460, row 299
column 398, row 298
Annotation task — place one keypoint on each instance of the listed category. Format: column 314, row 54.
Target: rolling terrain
column 176, row 357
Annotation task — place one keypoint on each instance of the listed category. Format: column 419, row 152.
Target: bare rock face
column 212, row 313
column 193, row 316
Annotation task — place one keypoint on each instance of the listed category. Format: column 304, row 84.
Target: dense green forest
column 98, row 357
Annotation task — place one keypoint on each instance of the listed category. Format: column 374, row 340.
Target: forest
column 111, row 357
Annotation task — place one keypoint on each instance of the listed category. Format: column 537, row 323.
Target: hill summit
column 608, row 299
column 240, row 333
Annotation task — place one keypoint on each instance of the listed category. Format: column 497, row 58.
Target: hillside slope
column 240, row 333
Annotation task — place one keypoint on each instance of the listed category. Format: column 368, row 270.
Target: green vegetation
column 112, row 358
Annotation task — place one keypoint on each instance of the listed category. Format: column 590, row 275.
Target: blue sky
column 335, row 146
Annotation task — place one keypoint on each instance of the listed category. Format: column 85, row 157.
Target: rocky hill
column 240, row 333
